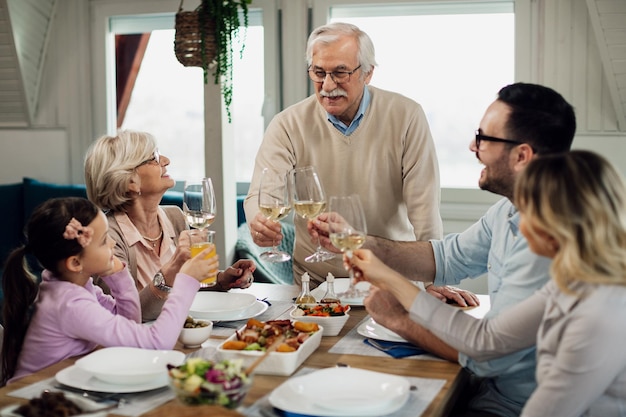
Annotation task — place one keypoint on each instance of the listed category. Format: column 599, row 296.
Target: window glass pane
column 453, row 64
column 168, row 101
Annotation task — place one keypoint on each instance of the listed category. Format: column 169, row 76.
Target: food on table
column 190, row 323
column 49, row 404
column 200, row 381
column 322, row 310
column 259, row 335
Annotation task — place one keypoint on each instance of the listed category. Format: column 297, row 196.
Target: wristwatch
column 159, row 282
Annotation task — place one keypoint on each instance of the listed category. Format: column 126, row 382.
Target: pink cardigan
column 71, row 320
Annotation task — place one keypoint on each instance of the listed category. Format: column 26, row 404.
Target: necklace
column 153, row 240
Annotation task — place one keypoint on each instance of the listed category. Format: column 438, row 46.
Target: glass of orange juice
column 200, row 240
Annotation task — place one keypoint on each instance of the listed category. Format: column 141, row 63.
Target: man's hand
column 319, row 228
column 239, row 275
column 454, row 295
column 385, row 309
column 265, row 232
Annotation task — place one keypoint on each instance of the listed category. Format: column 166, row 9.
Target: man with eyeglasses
column 362, row 140
column 526, row 120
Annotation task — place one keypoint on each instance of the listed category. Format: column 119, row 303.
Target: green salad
column 200, row 381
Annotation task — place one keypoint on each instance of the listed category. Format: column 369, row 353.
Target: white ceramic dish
column 259, row 307
column 128, row 365
column 332, row 324
column 341, row 284
column 277, row 363
column 342, row 392
column 193, row 337
column 213, row 302
column 83, row 403
column 74, row 377
column 374, row 330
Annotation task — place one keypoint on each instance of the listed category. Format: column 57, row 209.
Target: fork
column 377, row 345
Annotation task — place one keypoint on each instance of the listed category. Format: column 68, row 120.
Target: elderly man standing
column 362, row 140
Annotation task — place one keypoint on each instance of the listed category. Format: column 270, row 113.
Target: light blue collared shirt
column 341, row 126
column 495, row 246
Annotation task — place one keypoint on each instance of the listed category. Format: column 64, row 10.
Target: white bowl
column 195, row 336
column 210, row 304
column 332, row 324
column 276, row 363
column 129, row 365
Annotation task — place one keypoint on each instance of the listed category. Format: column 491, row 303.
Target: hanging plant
column 206, row 38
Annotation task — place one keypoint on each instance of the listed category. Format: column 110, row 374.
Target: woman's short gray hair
column 332, row 32
column 110, row 166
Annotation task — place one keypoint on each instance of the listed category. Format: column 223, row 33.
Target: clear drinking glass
column 308, row 200
column 199, row 203
column 274, row 204
column 348, row 230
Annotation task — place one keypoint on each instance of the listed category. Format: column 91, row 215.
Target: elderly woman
column 126, row 175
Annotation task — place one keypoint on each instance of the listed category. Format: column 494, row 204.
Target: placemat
column 352, row 344
column 418, row 401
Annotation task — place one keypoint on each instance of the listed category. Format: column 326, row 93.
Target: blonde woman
column 126, row 175
column 573, row 210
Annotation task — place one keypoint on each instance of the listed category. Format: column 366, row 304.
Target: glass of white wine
column 275, row 205
column 199, row 203
column 348, row 230
column 309, row 200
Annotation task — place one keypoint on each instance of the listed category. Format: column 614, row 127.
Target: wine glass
column 199, row 203
column 309, row 200
column 348, row 230
column 275, row 205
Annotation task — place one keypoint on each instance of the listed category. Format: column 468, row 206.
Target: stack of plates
column 121, row 370
column 224, row 306
column 342, row 392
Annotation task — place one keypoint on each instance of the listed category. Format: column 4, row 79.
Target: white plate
column 74, row 377
column 213, row 302
column 257, row 308
column 83, row 403
column 342, row 392
column 129, row 365
column 375, row 331
column 342, row 284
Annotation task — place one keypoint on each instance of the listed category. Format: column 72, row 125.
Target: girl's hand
column 199, row 267
column 239, row 275
column 116, row 266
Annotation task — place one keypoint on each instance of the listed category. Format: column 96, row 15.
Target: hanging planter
column 205, row 38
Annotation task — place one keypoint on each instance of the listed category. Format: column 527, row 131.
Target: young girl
column 67, row 315
column 573, row 210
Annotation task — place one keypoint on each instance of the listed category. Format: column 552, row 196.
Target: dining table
column 452, row 380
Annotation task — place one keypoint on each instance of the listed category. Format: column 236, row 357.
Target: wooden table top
column 321, row 358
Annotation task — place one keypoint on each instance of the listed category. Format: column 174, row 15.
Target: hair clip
column 75, row 230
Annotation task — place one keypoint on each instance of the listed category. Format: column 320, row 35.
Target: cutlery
column 118, row 404
column 91, row 395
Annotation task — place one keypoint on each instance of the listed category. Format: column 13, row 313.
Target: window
column 167, row 99
column 451, row 58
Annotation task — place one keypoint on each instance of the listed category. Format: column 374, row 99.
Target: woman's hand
column 265, row 232
column 199, row 267
column 239, row 275
column 181, row 255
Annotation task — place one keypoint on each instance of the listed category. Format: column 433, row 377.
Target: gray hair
column 110, row 166
column 332, row 32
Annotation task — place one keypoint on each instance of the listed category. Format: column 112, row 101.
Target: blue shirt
column 341, row 126
column 495, row 246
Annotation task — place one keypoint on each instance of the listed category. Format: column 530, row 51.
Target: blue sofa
column 20, row 199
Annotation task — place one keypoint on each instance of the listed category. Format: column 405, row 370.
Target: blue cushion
column 172, row 198
column 36, row 192
column 277, row 273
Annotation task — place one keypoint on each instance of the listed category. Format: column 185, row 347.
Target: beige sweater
column 389, row 161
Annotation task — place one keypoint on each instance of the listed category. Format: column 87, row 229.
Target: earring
column 138, row 193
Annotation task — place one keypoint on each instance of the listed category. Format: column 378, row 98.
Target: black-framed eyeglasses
column 156, row 159
column 480, row 137
column 318, row 75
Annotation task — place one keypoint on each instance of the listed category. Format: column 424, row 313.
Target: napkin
column 396, row 349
